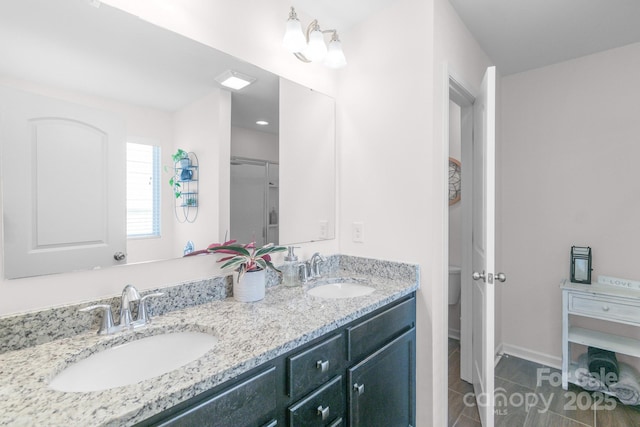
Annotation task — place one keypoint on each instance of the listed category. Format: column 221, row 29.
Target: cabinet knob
column 359, row 388
column 323, row 412
column 322, row 365
column 605, row 308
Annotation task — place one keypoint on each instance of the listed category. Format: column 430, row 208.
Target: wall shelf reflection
column 187, row 181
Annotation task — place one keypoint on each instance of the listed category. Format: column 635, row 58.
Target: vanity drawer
column 324, row 407
column 249, row 403
column 609, row 308
column 314, row 366
column 372, row 334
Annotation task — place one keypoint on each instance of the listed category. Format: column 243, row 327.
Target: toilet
column 454, row 284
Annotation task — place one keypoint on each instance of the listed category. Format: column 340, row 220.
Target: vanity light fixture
column 262, row 123
column 234, row 80
column 310, row 46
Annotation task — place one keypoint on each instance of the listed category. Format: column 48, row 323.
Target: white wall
column 252, row 144
column 385, row 124
column 197, row 129
column 392, row 107
column 570, row 176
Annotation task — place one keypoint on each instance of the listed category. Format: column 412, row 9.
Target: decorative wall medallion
column 454, row 181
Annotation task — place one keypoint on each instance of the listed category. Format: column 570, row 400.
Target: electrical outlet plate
column 358, row 232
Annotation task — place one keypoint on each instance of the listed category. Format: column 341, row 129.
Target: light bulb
column 316, row 49
column 335, row 56
column 294, row 40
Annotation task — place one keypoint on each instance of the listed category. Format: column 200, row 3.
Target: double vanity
column 294, row 358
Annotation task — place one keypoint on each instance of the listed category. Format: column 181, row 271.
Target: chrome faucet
column 129, row 295
column 314, row 264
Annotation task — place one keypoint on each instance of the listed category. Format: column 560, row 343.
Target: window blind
column 143, row 190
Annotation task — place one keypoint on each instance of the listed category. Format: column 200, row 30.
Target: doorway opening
column 459, row 330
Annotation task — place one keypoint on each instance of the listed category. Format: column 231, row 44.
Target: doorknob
column 478, row 276
column 119, row 256
column 501, row 277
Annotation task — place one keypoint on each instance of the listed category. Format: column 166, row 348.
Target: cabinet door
column 249, row 403
column 382, row 386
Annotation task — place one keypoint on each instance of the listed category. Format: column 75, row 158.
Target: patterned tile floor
column 523, row 400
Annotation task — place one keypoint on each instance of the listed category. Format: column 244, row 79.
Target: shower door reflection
column 254, row 201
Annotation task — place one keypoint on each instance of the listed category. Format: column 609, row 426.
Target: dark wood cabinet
column 252, row 402
column 321, row 408
column 382, row 386
column 312, row 367
column 360, row 375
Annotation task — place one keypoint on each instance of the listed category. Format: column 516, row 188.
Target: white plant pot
column 250, row 288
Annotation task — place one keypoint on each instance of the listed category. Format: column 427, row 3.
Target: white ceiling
column 520, row 35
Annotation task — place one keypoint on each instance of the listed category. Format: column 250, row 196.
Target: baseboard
column 499, row 352
column 454, row 333
column 532, row 356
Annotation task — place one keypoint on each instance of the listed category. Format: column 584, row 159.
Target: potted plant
column 180, row 158
column 250, row 263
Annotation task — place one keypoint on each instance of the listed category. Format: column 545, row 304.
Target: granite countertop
column 249, row 334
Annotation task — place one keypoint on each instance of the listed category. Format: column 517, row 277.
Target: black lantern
column 581, row 264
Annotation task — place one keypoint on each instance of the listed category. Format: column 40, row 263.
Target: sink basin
column 340, row 290
column 134, row 361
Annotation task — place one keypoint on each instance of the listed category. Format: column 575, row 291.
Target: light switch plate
column 358, row 232
column 324, row 226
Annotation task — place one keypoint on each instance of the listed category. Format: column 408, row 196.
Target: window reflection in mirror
column 143, row 190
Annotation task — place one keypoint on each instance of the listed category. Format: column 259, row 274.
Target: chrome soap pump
column 290, row 269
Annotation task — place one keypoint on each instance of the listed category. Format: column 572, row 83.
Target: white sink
column 134, row 361
column 340, row 290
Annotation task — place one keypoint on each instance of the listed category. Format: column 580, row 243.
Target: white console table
column 607, row 303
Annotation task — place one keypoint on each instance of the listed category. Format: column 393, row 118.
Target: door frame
column 459, row 92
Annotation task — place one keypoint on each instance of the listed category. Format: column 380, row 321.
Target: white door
column 63, row 176
column 483, row 244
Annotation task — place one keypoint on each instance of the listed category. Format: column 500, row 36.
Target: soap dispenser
column 290, row 269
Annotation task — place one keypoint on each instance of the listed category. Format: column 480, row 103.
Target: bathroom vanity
column 291, row 359
column 363, row 372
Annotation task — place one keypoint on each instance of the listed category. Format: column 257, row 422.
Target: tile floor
column 522, row 400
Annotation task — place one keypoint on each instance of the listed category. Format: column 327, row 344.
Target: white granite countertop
column 249, row 334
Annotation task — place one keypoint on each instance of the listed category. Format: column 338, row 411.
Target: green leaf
column 273, row 267
column 237, row 261
column 268, row 249
column 261, row 263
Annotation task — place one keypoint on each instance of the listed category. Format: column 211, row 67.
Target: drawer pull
column 605, row 308
column 359, row 388
column 323, row 412
column 323, row 366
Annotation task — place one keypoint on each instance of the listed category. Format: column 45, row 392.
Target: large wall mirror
column 84, row 88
